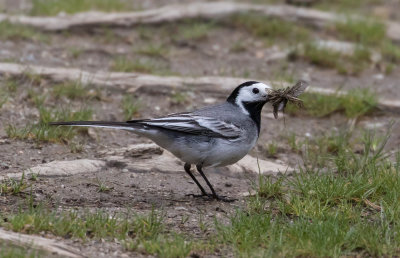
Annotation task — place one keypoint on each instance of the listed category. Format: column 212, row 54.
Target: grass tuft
column 54, row 7
column 123, row 64
column 8, row 87
column 145, row 234
column 390, row 52
column 11, row 85
column 347, row 207
column 352, row 64
column 102, row 186
column 366, row 32
column 43, row 132
column 238, row 47
column 75, row 90
column 9, row 31
column 130, row 107
column 270, row 188
column 75, row 52
column 13, row 251
column 347, row 6
column 13, row 186
column 195, row 30
column 71, row 90
column 356, row 103
column 153, row 50
column 3, row 99
column 270, row 28
column 179, row 97
column 272, row 149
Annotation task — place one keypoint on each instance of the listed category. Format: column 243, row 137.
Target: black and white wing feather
column 182, row 122
column 193, row 124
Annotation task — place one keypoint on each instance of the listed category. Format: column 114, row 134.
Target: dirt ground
column 142, row 191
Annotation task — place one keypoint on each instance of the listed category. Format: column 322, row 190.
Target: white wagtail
column 217, row 135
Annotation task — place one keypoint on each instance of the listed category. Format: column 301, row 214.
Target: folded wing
column 194, row 124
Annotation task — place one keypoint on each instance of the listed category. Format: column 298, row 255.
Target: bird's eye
column 256, row 91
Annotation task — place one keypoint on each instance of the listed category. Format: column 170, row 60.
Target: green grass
column 12, row 251
column 130, row 107
column 194, row 30
column 321, row 57
column 43, row 132
column 349, row 207
column 272, row 149
column 13, row 186
column 75, row 52
column 10, row 85
column 352, row 64
column 76, row 147
column 347, row 6
column 316, row 150
column 9, row 31
column 71, row 90
column 123, row 64
column 153, row 50
column 102, row 186
column 390, row 52
column 269, row 28
column 270, row 188
column 36, row 98
column 54, row 7
column 146, row 234
column 359, row 61
column 238, row 47
column 356, row 103
column 32, row 79
column 366, row 32
column 179, row 98
column 75, row 90
column 3, row 98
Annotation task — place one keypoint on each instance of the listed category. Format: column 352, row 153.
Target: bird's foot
column 224, row 198
column 200, row 195
column 213, row 197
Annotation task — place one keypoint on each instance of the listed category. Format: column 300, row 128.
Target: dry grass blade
column 280, row 97
column 372, row 205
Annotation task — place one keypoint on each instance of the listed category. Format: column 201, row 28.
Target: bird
column 213, row 136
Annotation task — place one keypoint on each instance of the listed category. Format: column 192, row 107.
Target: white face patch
column 257, row 92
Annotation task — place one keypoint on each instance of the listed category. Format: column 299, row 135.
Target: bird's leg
column 215, row 196
column 187, row 169
column 199, row 168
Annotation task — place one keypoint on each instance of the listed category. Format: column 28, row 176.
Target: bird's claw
column 199, row 195
column 214, row 197
column 224, row 199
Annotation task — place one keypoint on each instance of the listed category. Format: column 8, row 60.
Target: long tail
column 103, row 124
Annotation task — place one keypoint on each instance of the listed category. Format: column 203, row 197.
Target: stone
column 61, row 168
column 250, row 164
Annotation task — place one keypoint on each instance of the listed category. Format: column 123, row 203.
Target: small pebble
column 379, row 76
column 220, row 209
column 180, row 208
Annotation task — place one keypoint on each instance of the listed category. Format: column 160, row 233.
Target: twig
column 280, row 97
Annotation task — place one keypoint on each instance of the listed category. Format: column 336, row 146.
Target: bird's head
column 250, row 95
